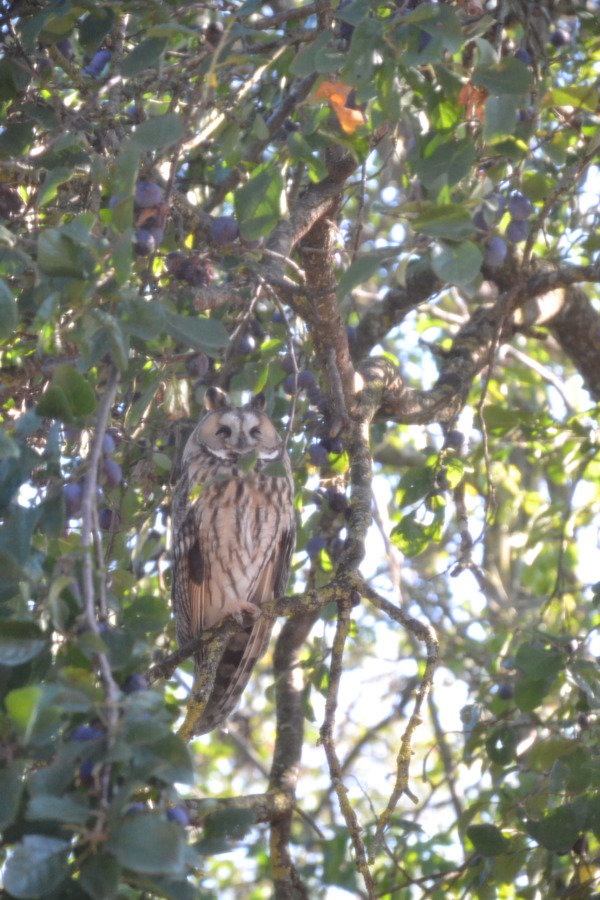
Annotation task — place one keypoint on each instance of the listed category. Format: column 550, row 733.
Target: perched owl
column 233, row 537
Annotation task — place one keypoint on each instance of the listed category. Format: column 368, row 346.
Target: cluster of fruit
column 519, row 208
column 112, row 475
column 149, row 214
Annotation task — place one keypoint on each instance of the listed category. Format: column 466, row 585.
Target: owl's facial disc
column 231, row 433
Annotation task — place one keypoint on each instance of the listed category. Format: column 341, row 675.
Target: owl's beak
column 242, row 443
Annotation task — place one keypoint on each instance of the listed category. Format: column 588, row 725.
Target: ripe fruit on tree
column 519, row 207
column 224, row 230
column 97, row 63
column 517, row 231
column 318, row 455
column 495, row 252
column 147, row 194
column 314, row 545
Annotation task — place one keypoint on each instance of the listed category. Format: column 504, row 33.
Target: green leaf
column 99, row 876
column 15, row 537
column 11, row 788
column 19, row 642
column 578, row 95
column 148, row 844
column 22, row 705
column 511, row 76
column 499, row 419
column 122, row 255
column 53, row 404
column 143, row 56
column 48, row 807
column 144, row 320
column 353, row 13
column 360, row 271
column 49, row 186
column 247, row 462
column 95, row 26
column 258, row 204
column 69, row 396
column 234, row 822
column 529, row 693
column 501, row 745
column 411, row 536
column 125, row 174
column 450, row 222
column 559, row 830
column 539, row 661
column 8, row 311
column 77, row 389
column 487, row 840
column 9, row 449
column 171, row 760
column 15, row 139
column 440, row 22
column 309, row 58
column 415, row 484
column 197, row 331
column 457, row 263
column 544, row 753
column 36, row 867
column 447, row 164
column 58, row 254
column 275, row 469
column 157, row 133
column 8, row 88
column 500, row 116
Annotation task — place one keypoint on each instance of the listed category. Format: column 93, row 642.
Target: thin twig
column 327, row 740
column 426, row 634
column 290, row 342
column 88, row 504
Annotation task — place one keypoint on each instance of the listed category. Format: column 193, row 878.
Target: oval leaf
column 36, row 867
column 148, row 844
column 457, row 263
column 487, row 840
column 19, row 642
column 258, row 204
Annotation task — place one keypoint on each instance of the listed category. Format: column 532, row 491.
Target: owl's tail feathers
column 241, row 653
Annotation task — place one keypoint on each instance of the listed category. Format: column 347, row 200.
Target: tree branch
column 288, row 749
column 88, row 513
column 426, row 635
column 327, row 740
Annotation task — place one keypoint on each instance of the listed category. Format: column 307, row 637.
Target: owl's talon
column 245, row 608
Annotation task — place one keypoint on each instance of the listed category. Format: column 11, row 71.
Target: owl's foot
column 247, row 610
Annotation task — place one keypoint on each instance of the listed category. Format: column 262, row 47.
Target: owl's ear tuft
column 215, row 398
column 258, row 403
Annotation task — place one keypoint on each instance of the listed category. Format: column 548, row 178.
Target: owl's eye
column 255, row 432
column 225, row 430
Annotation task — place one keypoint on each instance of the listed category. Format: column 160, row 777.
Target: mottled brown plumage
column 233, row 538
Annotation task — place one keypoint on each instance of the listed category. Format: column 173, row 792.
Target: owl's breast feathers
column 233, row 540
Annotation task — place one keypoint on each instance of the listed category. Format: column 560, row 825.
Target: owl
column 234, row 534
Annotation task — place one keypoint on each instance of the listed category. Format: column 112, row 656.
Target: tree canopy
column 384, row 216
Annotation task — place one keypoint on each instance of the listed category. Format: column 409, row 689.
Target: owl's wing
column 246, row 647
column 235, row 545
column 184, row 536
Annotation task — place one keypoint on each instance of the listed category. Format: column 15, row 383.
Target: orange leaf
column 334, row 91
column 350, row 119
column 474, row 100
column 337, row 92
